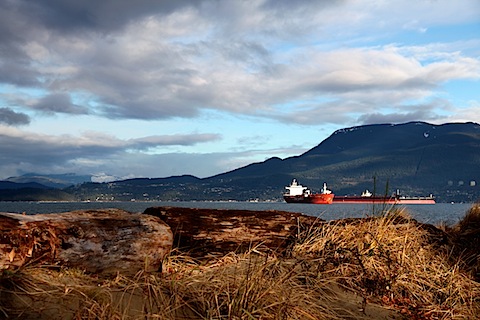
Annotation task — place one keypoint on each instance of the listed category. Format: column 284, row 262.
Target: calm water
column 434, row 214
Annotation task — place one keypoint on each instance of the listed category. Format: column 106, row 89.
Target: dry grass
column 395, row 259
column 344, row 269
column 471, row 220
column 466, row 238
column 247, row 286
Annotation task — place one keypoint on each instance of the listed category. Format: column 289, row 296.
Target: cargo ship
column 296, row 193
column 395, row 198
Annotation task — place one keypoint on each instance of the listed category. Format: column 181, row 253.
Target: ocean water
column 433, row 214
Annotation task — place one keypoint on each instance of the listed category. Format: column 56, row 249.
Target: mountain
column 417, row 158
column 31, row 191
column 35, row 194
column 51, row 180
column 9, row 185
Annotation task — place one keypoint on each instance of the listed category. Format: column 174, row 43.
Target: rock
column 98, row 241
column 206, row 232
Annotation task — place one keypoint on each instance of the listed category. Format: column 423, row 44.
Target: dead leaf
column 11, row 255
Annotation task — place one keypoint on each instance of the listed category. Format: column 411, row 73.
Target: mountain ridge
column 416, row 157
column 57, row 181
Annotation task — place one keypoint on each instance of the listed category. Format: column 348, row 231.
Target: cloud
column 467, row 113
column 176, row 139
column 415, row 25
column 126, row 87
column 58, row 103
column 109, row 158
column 349, row 85
column 255, row 83
column 373, row 118
column 104, row 177
column 108, row 15
column 23, row 147
column 10, row 117
column 144, row 60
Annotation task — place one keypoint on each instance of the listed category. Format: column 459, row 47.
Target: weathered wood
column 98, row 241
column 205, row 232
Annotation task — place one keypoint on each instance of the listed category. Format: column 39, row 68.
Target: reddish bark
column 98, row 241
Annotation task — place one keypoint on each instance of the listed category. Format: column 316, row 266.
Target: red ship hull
column 416, row 201
column 318, row 198
column 296, row 193
column 385, row 200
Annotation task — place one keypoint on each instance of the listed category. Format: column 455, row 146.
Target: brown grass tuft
column 470, row 222
column 466, row 238
column 393, row 258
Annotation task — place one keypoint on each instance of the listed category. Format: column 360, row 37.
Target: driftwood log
column 98, row 241
column 211, row 232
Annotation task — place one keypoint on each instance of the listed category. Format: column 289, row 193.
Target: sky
column 123, row 89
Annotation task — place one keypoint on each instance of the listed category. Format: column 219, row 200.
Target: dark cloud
column 45, row 150
column 291, row 5
column 38, row 150
column 15, row 65
column 156, row 85
column 12, row 28
column 105, row 15
column 106, row 154
column 25, row 22
column 58, row 103
column 178, row 63
column 10, row 117
column 18, row 72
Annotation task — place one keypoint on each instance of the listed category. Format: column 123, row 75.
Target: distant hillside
column 58, row 181
column 417, row 158
column 8, row 185
column 174, row 188
column 31, row 191
column 35, row 194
